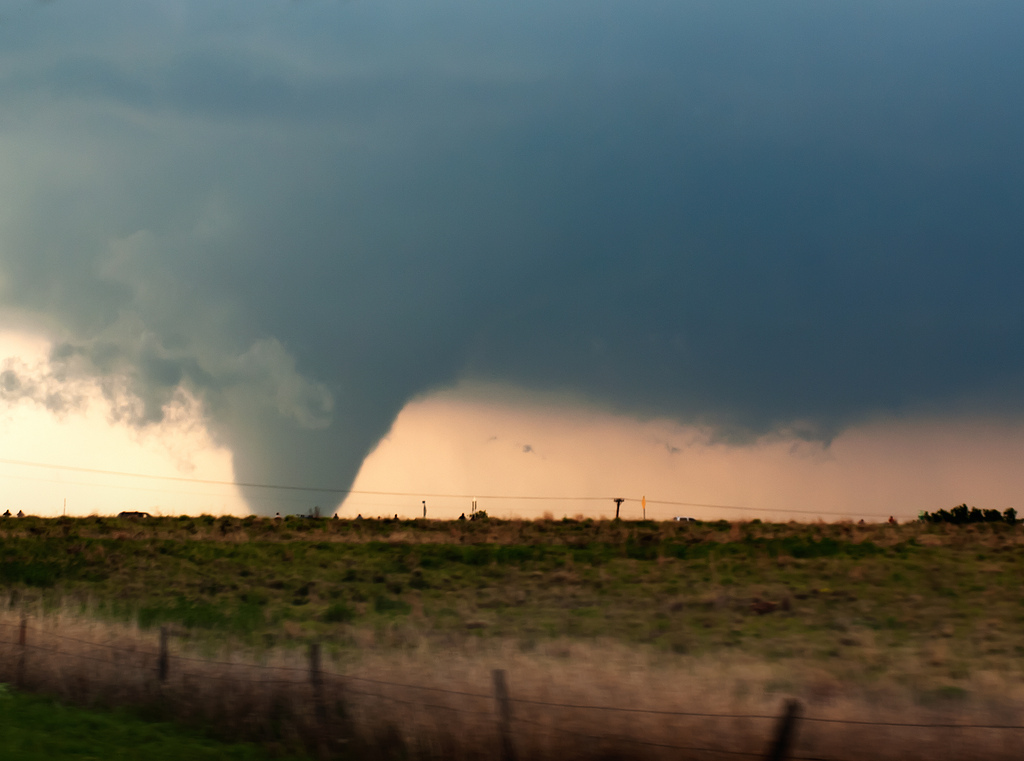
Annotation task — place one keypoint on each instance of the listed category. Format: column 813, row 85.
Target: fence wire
column 347, row 680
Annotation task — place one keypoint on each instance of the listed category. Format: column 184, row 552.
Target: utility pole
column 424, row 508
column 618, row 503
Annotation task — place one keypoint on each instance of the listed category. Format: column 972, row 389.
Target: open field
column 775, row 591
column 878, row 623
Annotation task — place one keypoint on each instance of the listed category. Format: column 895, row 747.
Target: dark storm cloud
column 762, row 217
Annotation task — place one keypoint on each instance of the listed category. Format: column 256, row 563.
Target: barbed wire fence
column 330, row 713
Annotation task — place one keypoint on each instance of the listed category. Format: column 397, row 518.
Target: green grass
column 33, row 728
column 928, row 612
column 813, row 591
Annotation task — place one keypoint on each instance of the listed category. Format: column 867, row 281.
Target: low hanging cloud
column 760, row 218
column 21, row 382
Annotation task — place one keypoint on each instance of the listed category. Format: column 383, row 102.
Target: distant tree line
column 963, row 514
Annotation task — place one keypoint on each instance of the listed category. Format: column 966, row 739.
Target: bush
column 962, row 514
column 640, row 551
column 32, row 574
column 339, row 613
column 192, row 614
column 387, row 605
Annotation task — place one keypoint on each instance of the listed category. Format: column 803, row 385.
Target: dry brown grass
column 516, row 531
column 435, row 701
column 920, row 633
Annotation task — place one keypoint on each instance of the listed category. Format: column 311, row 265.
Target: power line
column 433, row 495
column 98, row 485
column 751, row 509
column 270, row 501
column 292, row 487
column 178, row 479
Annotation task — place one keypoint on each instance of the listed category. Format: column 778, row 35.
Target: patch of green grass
column 203, row 614
column 34, row 728
column 339, row 612
column 386, row 605
column 257, row 579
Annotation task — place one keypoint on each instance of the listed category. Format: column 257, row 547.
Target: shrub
column 339, row 613
column 962, row 514
column 477, row 555
column 641, row 551
column 192, row 614
column 32, row 574
column 386, row 605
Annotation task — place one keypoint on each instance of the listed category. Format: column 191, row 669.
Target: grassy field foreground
column 916, row 622
column 816, row 591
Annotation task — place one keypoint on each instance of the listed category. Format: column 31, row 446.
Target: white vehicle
column 684, row 518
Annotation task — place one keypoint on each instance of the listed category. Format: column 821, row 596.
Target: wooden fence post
column 316, row 679
column 22, row 639
column 785, row 731
column 508, row 751
column 163, row 664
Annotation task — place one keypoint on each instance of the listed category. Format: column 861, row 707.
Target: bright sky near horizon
column 463, row 442
column 728, row 253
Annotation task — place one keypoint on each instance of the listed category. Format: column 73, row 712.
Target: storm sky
column 760, row 218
